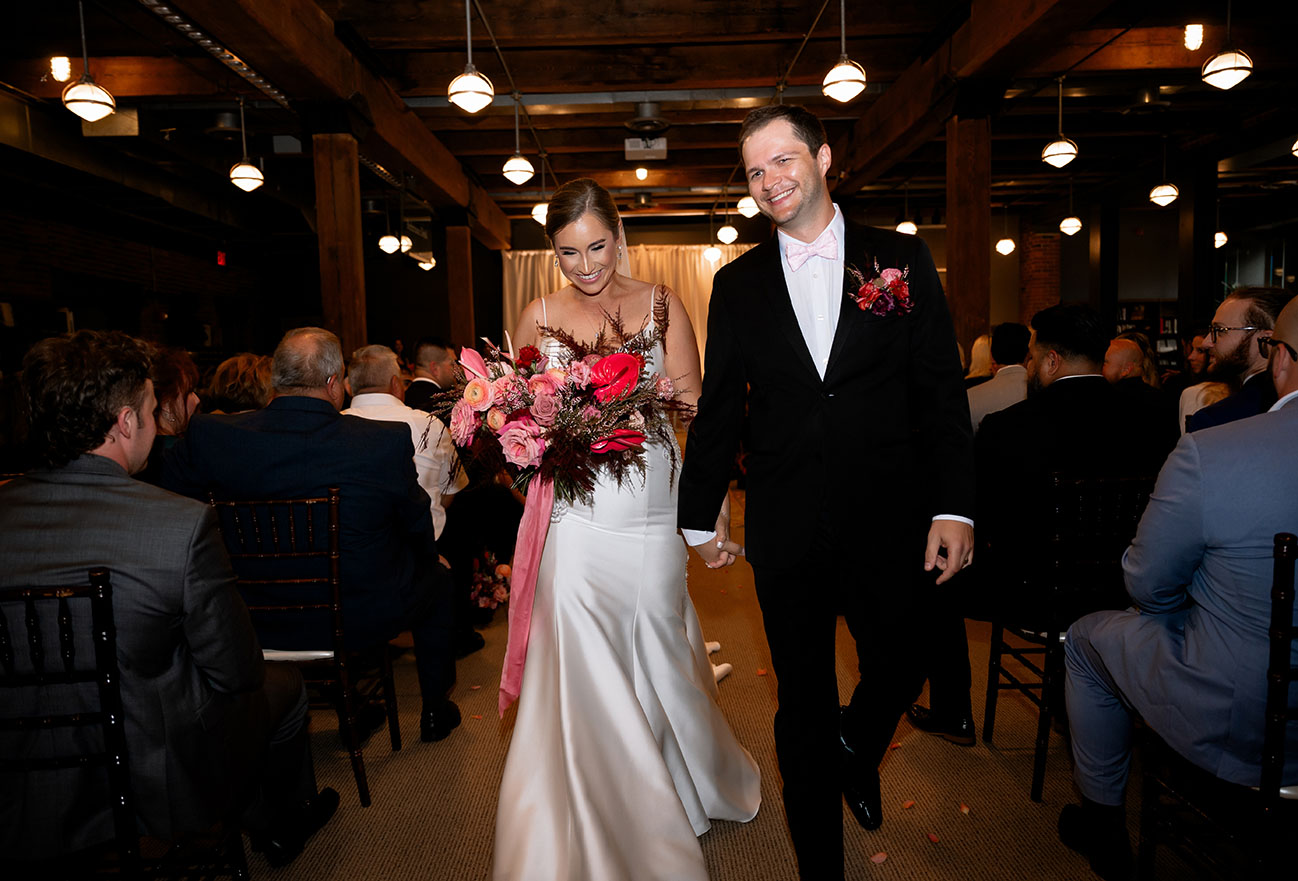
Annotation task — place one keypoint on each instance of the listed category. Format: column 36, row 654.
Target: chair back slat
column 1280, row 669
column 35, row 641
column 6, row 646
column 67, row 645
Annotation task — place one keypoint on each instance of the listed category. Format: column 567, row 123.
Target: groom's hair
column 1074, row 330
column 805, row 125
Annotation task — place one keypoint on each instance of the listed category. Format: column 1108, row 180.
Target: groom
column 860, row 473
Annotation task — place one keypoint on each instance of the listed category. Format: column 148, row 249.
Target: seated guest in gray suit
column 1192, row 662
column 1234, row 358
column 300, row 445
column 1009, row 382
column 203, row 714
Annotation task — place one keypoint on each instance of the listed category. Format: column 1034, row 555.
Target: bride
column 620, row 753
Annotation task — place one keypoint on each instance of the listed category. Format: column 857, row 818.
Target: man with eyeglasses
column 1234, row 356
column 1192, row 661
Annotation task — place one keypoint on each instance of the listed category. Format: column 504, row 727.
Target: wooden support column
column 1199, row 272
column 338, row 230
column 968, row 218
column 459, row 282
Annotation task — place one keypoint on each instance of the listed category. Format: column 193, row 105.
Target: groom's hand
column 957, row 538
column 718, row 552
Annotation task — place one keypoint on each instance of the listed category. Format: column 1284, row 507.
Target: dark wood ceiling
column 583, row 68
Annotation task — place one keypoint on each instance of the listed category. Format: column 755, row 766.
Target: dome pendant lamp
column 84, row 98
column 1072, row 224
column 541, row 210
column 517, row 169
column 1165, row 193
column 1064, row 150
column 846, row 79
column 243, row 174
column 907, row 227
column 712, row 253
column 1005, row 246
column 1229, row 67
column 470, row 91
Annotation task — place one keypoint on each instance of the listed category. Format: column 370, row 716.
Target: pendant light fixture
column 1294, row 149
column 907, row 226
column 541, row 210
column 1005, row 246
column 61, row 68
column 1219, row 238
column 1193, row 36
column 84, row 98
column 243, row 174
column 1229, row 67
column 727, row 234
column 1072, row 224
column 428, row 264
column 712, row 253
column 641, row 173
column 1064, row 150
column 470, row 91
column 388, row 243
column 517, row 169
column 747, row 206
column 846, row 79
column 1165, row 193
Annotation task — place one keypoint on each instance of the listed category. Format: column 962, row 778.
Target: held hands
column 720, row 551
column 957, row 538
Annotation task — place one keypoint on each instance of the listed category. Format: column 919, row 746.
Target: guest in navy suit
column 1234, row 357
column 300, row 445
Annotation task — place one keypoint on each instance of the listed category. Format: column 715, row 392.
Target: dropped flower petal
column 879, row 857
column 895, row 746
column 761, row 671
column 964, row 809
column 932, row 836
column 476, row 716
column 907, row 805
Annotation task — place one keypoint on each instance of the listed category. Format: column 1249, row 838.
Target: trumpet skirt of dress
column 620, row 753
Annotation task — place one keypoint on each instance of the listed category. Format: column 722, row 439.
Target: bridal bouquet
column 565, row 419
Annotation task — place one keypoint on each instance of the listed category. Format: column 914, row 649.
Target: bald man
column 1123, row 360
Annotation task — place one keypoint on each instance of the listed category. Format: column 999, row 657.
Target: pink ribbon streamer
column 527, row 563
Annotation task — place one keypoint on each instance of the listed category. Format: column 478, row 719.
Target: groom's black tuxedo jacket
column 879, row 445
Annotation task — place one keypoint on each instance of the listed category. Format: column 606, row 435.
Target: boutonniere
column 885, row 294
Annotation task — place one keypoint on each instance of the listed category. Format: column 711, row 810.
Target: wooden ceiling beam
column 131, row 76
column 1000, row 38
column 292, row 43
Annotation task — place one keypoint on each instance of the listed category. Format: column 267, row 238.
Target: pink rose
column 664, row 387
column 590, row 413
column 500, row 594
column 889, row 277
column 508, row 390
column 543, row 384
column 496, row 419
column 619, row 439
column 544, row 409
column 615, row 376
column 579, row 374
column 522, row 443
column 464, row 423
column 479, row 394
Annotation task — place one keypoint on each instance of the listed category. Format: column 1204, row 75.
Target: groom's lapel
column 850, row 317
column 781, row 306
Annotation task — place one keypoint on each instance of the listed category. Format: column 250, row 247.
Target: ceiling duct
column 1147, row 100
column 647, row 122
column 225, row 127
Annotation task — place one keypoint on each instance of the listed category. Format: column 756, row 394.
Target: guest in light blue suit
column 1192, row 662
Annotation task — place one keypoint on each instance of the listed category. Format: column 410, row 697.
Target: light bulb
column 540, row 211
column 1059, row 153
column 748, row 205
column 907, row 228
column 246, row 176
column 1070, row 226
column 406, row 244
column 389, row 244
column 471, row 91
column 517, row 169
column 641, row 173
column 1294, row 148
column 1164, row 194
column 61, row 68
column 1219, row 238
column 712, row 254
column 1193, row 36
column 727, row 234
column 844, row 81
column 1228, row 69
column 426, row 265
column 89, row 101
column 1005, row 246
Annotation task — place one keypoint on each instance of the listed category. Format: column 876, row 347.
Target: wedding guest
column 208, row 725
column 175, row 378
column 300, row 445
column 1235, row 357
column 1192, row 660
column 1195, row 357
column 980, row 361
column 1131, row 367
column 433, row 370
column 1196, row 397
column 1009, row 382
column 240, row 383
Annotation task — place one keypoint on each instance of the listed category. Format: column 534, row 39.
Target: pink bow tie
column 797, row 253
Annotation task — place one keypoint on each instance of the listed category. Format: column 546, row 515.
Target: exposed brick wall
column 1038, row 273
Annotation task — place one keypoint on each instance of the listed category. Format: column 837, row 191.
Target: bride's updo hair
column 577, row 197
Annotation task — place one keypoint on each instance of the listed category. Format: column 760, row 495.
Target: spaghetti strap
column 545, row 319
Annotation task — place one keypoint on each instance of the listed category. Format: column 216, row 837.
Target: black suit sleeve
column 716, row 431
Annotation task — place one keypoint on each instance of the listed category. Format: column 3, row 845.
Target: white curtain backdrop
column 532, row 274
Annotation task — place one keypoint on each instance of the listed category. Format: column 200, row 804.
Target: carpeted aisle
column 433, row 807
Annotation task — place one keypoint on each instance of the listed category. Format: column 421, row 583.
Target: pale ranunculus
column 664, row 387
column 479, row 394
column 545, row 409
column 579, row 374
column 496, row 419
column 522, row 443
column 464, row 423
column 543, row 384
column 558, row 374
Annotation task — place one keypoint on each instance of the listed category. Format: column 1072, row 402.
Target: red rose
column 528, row 356
column 620, row 439
column 901, row 290
column 615, row 376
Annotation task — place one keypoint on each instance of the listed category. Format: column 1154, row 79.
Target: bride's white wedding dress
column 620, row 753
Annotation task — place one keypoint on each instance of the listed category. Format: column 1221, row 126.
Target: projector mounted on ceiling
column 641, row 149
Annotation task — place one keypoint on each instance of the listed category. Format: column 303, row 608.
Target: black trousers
column 886, row 598
column 431, row 622
column 269, row 731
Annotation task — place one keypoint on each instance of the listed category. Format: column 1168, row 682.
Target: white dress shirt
column 433, row 463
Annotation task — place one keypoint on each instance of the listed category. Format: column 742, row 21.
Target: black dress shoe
column 1098, row 833
column 282, row 844
column 469, row 643
column 860, row 786
column 436, row 724
column 958, row 731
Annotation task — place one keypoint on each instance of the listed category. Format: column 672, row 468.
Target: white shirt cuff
column 964, row 520
column 696, row 537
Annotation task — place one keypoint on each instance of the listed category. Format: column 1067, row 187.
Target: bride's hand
column 719, row 552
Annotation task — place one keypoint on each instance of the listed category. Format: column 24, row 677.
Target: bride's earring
column 556, row 261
